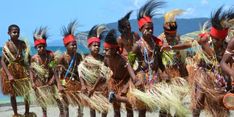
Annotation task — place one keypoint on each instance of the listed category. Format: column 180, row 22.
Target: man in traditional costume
column 94, row 74
column 127, row 37
column 176, row 67
column 123, row 73
column 147, row 49
column 207, row 93
column 42, row 73
column 15, row 64
column 68, row 79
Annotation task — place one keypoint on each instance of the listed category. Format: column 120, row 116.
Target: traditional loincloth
column 21, row 86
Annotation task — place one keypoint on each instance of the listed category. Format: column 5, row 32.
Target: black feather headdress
column 40, row 36
column 122, row 21
column 147, row 11
column 69, row 32
column 95, row 33
column 220, row 21
column 111, row 39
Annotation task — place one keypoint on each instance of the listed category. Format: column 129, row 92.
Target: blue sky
column 30, row 14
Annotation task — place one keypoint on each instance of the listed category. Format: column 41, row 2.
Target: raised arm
column 4, row 66
column 227, row 57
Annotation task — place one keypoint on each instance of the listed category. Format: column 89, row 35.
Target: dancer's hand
column 11, row 79
column 34, row 86
column 49, row 83
column 61, row 89
column 165, row 76
column 166, row 48
column 139, row 83
column 90, row 92
column 83, row 89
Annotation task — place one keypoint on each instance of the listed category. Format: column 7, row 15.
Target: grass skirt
column 46, row 96
column 21, row 86
column 203, row 84
column 162, row 95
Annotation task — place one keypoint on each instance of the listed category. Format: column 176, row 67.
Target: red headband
column 143, row 21
column 219, row 34
column 39, row 41
column 67, row 39
column 108, row 45
column 93, row 39
column 203, row 35
column 170, row 32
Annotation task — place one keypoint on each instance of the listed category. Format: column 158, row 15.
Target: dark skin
column 94, row 53
column 127, row 39
column 174, row 39
column 217, row 51
column 64, row 61
column 227, row 60
column 119, row 68
column 147, row 34
column 14, row 33
column 201, row 41
column 43, row 57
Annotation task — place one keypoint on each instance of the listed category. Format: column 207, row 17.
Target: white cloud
column 204, row 2
column 189, row 11
column 138, row 3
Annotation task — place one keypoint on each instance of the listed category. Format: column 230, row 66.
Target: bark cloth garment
column 46, row 95
column 17, row 66
column 90, row 70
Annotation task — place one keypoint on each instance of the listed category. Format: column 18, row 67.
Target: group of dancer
column 146, row 73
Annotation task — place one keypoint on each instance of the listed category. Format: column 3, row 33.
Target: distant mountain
column 184, row 26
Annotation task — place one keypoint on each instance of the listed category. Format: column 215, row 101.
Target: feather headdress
column 111, row 39
column 170, row 25
column 122, row 22
column 69, row 32
column 220, row 21
column 95, row 33
column 147, row 11
column 40, row 36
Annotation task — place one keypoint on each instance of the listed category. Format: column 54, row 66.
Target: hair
column 111, row 37
column 123, row 20
column 171, row 26
column 13, row 26
column 70, row 29
column 40, row 33
column 96, row 31
column 219, row 17
column 149, row 9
